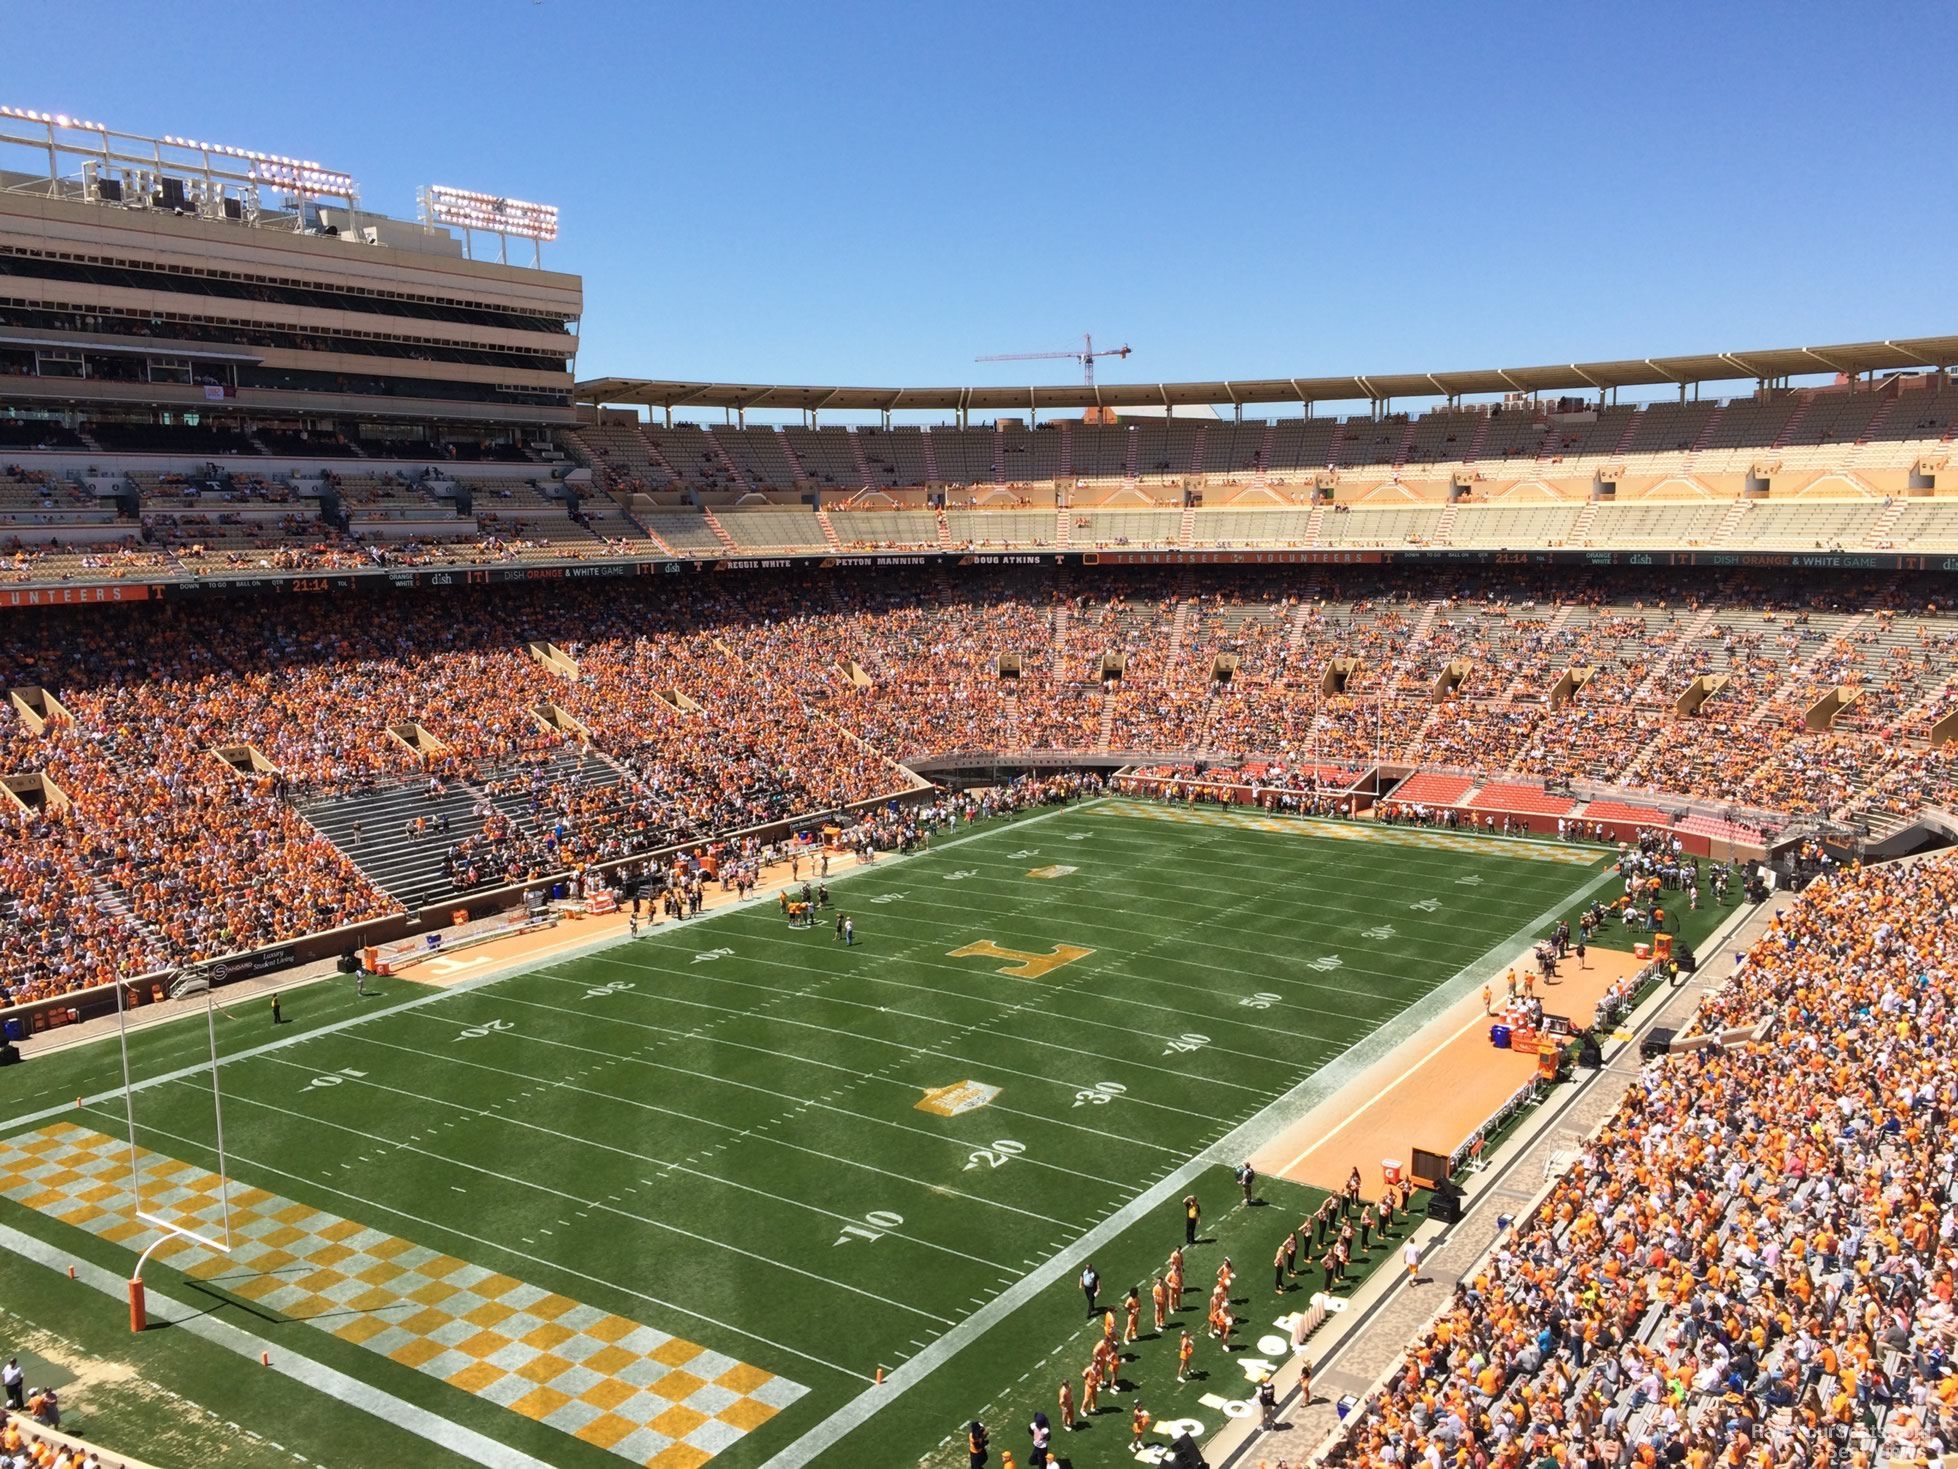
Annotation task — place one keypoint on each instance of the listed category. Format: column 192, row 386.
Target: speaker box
column 1445, row 1207
column 1657, row 1042
column 1184, row 1454
column 1589, row 1056
column 9, row 1054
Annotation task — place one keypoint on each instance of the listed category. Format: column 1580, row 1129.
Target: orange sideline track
column 1434, row 1090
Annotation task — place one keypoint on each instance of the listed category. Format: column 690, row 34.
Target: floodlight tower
column 504, row 218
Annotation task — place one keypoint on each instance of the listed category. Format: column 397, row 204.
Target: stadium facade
column 228, row 385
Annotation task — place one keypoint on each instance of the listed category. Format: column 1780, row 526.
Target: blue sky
column 879, row 193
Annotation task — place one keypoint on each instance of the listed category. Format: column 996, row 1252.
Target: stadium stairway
column 829, row 531
column 795, row 459
column 1580, row 531
column 1406, row 444
column 864, row 476
column 1793, row 426
column 728, row 465
column 1424, row 626
column 1705, row 436
column 1883, row 412
column 1879, row 533
column 112, row 900
column 1803, row 674
column 406, row 868
column 1263, row 475
column 657, row 456
column 1295, row 634
column 650, row 534
column 1729, row 522
column 1179, row 625
column 1652, row 692
column 719, row 530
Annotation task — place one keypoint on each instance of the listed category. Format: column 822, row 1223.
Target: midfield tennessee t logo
column 1024, row 965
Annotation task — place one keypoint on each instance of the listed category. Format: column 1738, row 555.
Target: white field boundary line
column 1120, row 859
column 1434, row 839
column 495, row 976
column 1183, row 1013
column 396, row 1412
column 1012, row 887
column 1325, row 873
column 798, row 1147
column 808, row 1103
column 600, row 1205
column 1241, row 1142
column 735, row 1131
column 906, row 1046
column 541, row 1261
column 1473, row 1022
column 1513, row 1152
column 853, row 1073
column 995, row 1005
column 497, row 1115
column 1002, row 930
column 814, row 1104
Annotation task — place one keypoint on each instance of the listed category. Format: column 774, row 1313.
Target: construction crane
column 1085, row 356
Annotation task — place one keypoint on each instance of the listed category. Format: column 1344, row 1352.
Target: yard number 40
column 488, row 1027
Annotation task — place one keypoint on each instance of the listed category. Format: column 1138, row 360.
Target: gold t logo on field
column 1023, row 965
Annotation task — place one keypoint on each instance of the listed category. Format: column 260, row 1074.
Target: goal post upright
column 169, row 1229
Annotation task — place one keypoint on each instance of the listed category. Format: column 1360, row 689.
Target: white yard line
column 543, row 1262
column 601, row 1205
column 937, row 1188
column 1256, row 1131
column 486, row 1114
column 1435, row 839
column 515, row 967
column 337, row 1386
column 1012, row 1009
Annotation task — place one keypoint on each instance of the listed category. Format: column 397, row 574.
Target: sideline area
column 1437, row 1087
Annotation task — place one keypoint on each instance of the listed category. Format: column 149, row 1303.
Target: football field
column 686, row 1197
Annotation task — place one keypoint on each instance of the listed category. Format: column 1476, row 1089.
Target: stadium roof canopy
column 1780, row 362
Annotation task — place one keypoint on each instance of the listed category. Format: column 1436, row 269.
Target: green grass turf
column 1692, row 925
column 686, row 1129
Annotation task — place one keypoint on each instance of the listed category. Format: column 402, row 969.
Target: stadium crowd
column 706, row 704
column 1753, row 1262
